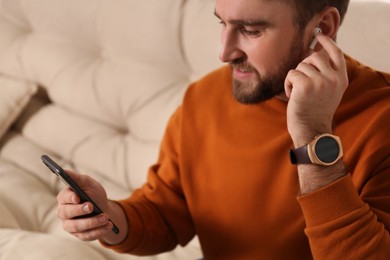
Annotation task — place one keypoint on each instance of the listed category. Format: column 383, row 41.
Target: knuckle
column 87, row 236
column 80, row 236
column 338, row 51
column 300, row 65
column 64, row 196
column 59, row 197
column 69, row 226
column 59, row 212
column 91, row 222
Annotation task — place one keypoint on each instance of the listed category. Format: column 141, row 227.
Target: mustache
column 242, row 64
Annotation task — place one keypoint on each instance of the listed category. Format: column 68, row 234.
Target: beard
column 264, row 87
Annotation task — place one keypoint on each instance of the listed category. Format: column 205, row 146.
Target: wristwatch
column 324, row 150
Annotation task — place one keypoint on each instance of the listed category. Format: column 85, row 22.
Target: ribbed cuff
column 135, row 230
column 330, row 202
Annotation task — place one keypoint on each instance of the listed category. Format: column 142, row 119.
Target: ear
column 329, row 21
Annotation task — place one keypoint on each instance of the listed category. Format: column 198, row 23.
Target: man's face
column 261, row 43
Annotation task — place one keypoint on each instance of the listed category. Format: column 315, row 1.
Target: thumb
column 80, row 179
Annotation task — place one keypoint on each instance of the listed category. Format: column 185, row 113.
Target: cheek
column 264, row 57
column 266, row 54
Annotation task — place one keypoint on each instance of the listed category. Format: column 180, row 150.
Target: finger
column 320, row 60
column 308, row 69
column 94, row 234
column 81, row 179
column 85, row 182
column 288, row 84
column 69, row 211
column 84, row 224
column 68, row 196
column 336, row 55
column 292, row 77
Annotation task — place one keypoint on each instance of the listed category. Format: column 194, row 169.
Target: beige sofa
column 92, row 83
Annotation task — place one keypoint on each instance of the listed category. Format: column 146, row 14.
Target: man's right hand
column 91, row 228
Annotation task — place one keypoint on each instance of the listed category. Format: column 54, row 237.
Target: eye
column 252, row 33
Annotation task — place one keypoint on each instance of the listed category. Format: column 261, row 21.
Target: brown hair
column 306, row 9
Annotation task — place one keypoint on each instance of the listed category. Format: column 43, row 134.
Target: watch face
column 327, row 149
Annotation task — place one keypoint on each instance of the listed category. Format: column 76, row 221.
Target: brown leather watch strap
column 300, row 156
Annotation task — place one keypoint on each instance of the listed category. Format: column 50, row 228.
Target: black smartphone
column 57, row 170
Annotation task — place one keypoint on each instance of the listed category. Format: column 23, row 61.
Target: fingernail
column 102, row 219
column 86, row 208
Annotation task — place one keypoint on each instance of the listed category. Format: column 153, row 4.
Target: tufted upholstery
column 110, row 73
column 105, row 70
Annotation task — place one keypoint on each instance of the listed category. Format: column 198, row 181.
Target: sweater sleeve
column 350, row 218
column 157, row 213
column 341, row 225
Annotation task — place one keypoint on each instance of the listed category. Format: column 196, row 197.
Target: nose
column 230, row 48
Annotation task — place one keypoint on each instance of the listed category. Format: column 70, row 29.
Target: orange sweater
column 224, row 174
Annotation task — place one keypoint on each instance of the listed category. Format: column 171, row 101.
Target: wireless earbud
column 317, row 30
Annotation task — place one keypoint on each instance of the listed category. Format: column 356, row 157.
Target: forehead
column 272, row 10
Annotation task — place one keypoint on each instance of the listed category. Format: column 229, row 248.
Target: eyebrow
column 250, row 22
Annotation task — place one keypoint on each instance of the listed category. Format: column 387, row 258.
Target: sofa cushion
column 14, row 97
column 25, row 245
column 100, row 62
